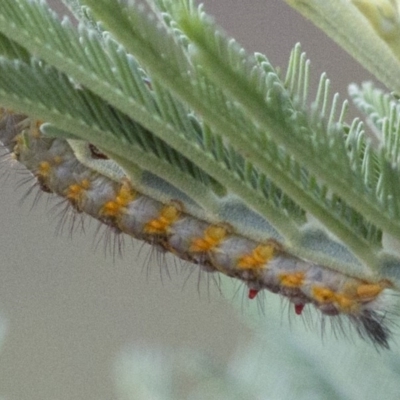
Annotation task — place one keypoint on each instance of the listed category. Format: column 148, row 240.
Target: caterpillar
column 213, row 247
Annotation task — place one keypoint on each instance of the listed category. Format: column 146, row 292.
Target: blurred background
column 79, row 324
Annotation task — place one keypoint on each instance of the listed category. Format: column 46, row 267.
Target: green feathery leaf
column 219, row 125
column 181, row 73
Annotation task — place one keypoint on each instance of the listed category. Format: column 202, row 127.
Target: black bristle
column 374, row 328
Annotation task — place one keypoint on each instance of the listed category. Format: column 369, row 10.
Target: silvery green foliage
column 368, row 29
column 221, row 126
column 224, row 128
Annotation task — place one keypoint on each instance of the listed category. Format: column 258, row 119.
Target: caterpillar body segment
column 213, row 247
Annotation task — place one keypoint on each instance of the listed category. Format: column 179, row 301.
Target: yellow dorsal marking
column 367, row 292
column 160, row 225
column 44, row 169
column 258, row 258
column 212, row 237
column 294, row 279
column 346, row 303
column 350, row 299
column 323, row 294
column 124, row 197
column 76, row 192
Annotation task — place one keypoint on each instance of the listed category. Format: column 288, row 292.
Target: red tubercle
column 253, row 293
column 298, row 308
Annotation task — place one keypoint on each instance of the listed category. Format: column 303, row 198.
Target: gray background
column 70, row 310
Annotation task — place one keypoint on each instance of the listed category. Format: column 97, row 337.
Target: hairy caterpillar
column 213, row 247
